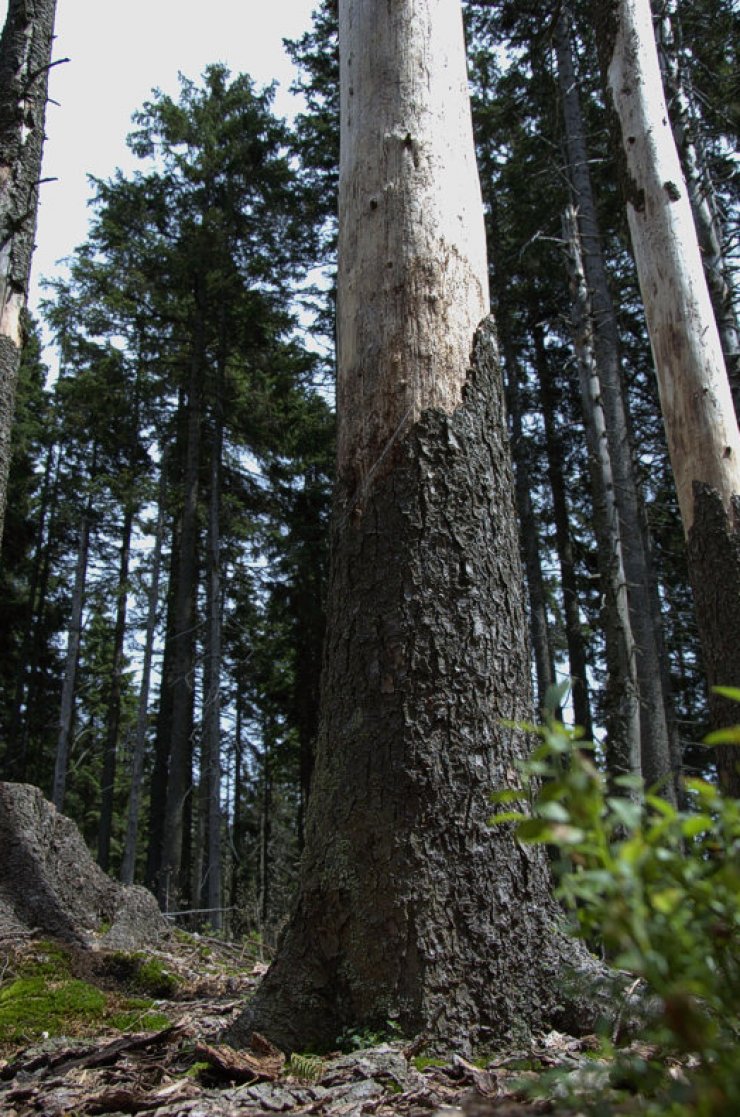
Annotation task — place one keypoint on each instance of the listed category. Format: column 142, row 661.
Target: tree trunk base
column 413, row 913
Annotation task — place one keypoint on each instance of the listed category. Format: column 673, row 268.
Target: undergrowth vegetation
column 657, row 890
column 42, row 998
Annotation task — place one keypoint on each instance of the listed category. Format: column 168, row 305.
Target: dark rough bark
column 25, row 51
column 714, row 566
column 49, row 882
column 410, row 907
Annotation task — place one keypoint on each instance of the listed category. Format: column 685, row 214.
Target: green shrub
column 660, row 889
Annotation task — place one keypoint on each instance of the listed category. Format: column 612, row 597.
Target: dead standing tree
column 25, row 53
column 410, row 907
column 698, row 412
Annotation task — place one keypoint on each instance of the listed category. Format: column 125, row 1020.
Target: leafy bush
column 660, row 889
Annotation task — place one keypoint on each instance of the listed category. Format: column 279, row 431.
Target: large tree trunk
column 410, row 907
column 25, row 53
column 660, row 765
column 701, row 428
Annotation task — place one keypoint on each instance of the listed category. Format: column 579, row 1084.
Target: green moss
column 142, row 974
column 137, row 1016
column 154, row 979
column 37, row 1005
column 421, row 1062
column 33, row 1005
column 197, row 1070
column 49, row 960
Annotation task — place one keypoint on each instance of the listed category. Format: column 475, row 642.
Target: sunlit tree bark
column 697, row 406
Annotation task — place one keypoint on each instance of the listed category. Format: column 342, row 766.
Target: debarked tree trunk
column 411, row 908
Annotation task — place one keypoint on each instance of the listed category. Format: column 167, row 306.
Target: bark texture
column 699, row 183
column 699, row 416
column 25, row 52
column 411, row 908
column 714, row 566
column 413, row 279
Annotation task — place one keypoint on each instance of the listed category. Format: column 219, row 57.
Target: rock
column 50, row 885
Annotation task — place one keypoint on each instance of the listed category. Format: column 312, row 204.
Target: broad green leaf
column 667, row 901
column 731, row 692
column 697, row 824
column 553, row 812
column 728, row 736
column 661, row 806
column 506, row 795
column 507, row 816
column 628, row 813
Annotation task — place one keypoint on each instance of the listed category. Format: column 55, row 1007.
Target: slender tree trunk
column 538, row 622
column 113, row 718
column 410, row 907
column 623, row 707
column 660, row 765
column 179, row 781
column 70, row 671
column 563, row 542
column 237, row 827
column 163, row 734
column 211, row 751
column 128, row 863
column 702, row 195
column 25, row 54
column 265, row 868
column 702, row 432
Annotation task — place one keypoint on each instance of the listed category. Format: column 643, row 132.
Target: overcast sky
column 119, row 50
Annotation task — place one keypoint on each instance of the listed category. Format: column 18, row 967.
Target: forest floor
column 72, row 1043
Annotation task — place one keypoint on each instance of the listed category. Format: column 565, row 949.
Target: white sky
column 119, row 50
